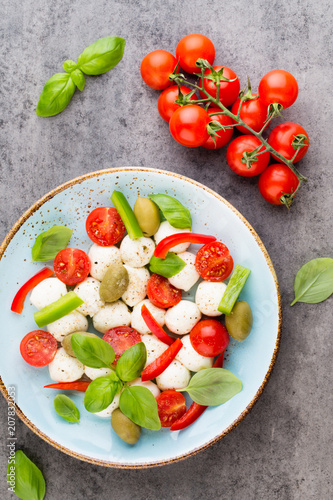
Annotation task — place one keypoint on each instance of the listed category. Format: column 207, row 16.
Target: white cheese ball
column 72, row 322
column 154, row 347
column 93, row 373
column 106, row 413
column 137, row 253
column 165, row 230
column 188, row 276
column 101, row 258
column 88, row 291
column 181, row 318
column 176, row 376
column 65, row 368
column 137, row 286
column 191, row 359
column 46, row 292
column 148, row 384
column 137, row 320
column 208, row 296
column 112, row 315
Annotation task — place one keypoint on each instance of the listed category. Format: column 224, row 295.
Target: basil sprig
column 139, row 405
column 175, row 213
column 66, row 408
column 168, row 267
column 102, row 55
column 56, row 95
column 91, row 351
column 50, row 242
column 101, row 392
column 24, row 478
column 132, row 362
column 314, row 281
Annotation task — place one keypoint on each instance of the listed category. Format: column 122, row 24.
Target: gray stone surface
column 282, row 450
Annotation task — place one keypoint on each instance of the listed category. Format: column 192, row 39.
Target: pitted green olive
column 148, row 215
column 114, row 283
column 127, row 430
column 66, row 342
column 239, row 322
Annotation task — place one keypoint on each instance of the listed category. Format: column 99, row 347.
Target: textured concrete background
column 282, row 450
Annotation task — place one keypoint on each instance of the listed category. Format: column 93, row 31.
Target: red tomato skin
column 38, row 348
column 166, row 102
column 156, row 68
column 104, row 226
column 281, row 138
column 213, row 262
column 223, row 136
column 71, row 266
column 188, row 125
column 235, row 152
column 161, row 293
column 171, row 406
column 121, row 338
column 276, row 180
column 278, row 86
column 253, row 113
column 229, row 91
column 194, row 47
column 209, row 338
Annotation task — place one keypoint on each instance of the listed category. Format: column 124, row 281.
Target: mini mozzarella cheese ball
column 176, row 376
column 112, row 315
column 65, row 368
column 208, row 297
column 46, row 292
column 137, row 253
column 72, row 322
column 165, row 230
column 88, row 291
column 93, row 373
column 137, row 320
column 101, row 258
column 148, row 384
column 106, row 413
column 180, row 319
column 188, row 276
column 154, row 347
column 191, row 359
column 137, row 287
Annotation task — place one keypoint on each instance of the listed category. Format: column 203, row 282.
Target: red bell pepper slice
column 18, row 302
column 154, row 327
column 160, row 364
column 80, row 385
column 167, row 243
column 219, row 361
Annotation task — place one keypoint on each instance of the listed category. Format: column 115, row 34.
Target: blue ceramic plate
column 252, row 360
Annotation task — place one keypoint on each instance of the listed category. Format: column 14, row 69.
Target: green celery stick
column 66, row 304
column 234, row 288
column 127, row 215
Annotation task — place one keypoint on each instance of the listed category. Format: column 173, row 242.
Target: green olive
column 66, row 342
column 239, row 322
column 148, row 215
column 127, row 430
column 114, row 283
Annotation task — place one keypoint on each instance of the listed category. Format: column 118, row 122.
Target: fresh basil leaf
column 314, row 281
column 56, row 95
column 24, row 478
column 78, row 79
column 66, row 408
column 92, row 352
column 175, row 213
column 102, row 55
column 101, row 392
column 132, row 362
column 49, row 243
column 69, row 66
column 168, row 267
column 213, row 386
column 138, row 404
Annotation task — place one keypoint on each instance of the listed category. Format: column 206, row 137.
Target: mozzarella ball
column 46, row 292
column 137, row 287
column 137, row 320
column 93, row 373
column 106, row 413
column 112, row 315
column 101, row 258
column 181, row 318
column 154, row 347
column 191, row 359
column 137, row 253
column 188, row 276
column 165, row 230
column 72, row 322
column 65, row 368
column 88, row 291
column 208, row 296
column 176, row 376
column 148, row 384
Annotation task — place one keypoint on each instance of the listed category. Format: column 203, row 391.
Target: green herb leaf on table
column 69, row 66
column 101, row 392
column 139, row 405
column 168, row 267
column 102, row 55
column 314, row 281
column 78, row 78
column 131, row 362
column 50, row 242
column 66, row 408
column 92, row 352
column 56, row 95
column 175, row 213
column 24, row 478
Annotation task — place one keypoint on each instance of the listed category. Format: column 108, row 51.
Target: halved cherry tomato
column 213, row 262
column 161, row 293
column 79, row 385
column 240, row 145
column 104, row 226
column 18, row 301
column 277, row 180
column 38, row 348
column 171, row 241
column 278, row 86
column 228, row 90
column 156, row 68
column 209, row 337
column 166, row 102
column 223, row 136
column 253, row 113
column 154, row 327
column 156, row 367
column 188, row 125
column 121, row 338
column 193, row 47
column 71, row 266
column 171, row 406
column 282, row 138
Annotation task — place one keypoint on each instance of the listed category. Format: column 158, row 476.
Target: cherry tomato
column 161, row 293
column 121, row 338
column 171, row 406
column 213, row 262
column 235, row 152
column 278, row 86
column 104, row 226
column 228, row 90
column 281, row 139
column 71, row 266
column 194, row 47
column 276, row 181
column 38, row 348
column 188, row 125
column 223, row 136
column 253, row 113
column 166, row 102
column 209, row 338
column 156, row 68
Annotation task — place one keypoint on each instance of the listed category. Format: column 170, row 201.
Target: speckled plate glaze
column 252, row 361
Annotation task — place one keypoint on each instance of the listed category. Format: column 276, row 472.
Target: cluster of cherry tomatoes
column 193, row 120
